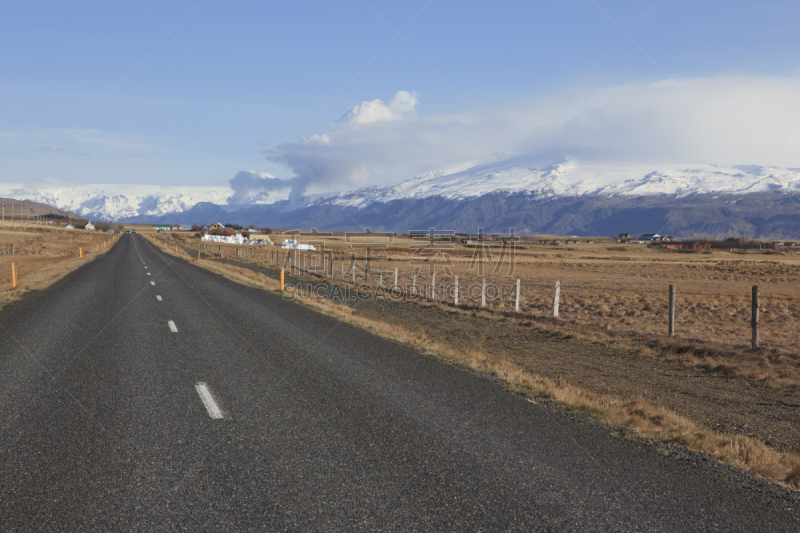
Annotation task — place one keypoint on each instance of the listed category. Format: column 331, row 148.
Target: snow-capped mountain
column 506, row 190
column 115, row 202
column 571, row 177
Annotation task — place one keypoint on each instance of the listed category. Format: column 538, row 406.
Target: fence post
column 414, row 283
column 517, row 304
column 671, row 310
column 557, row 299
column 395, row 278
column 754, row 317
column 380, row 277
column 198, row 255
column 456, row 294
column 483, row 292
column 433, row 286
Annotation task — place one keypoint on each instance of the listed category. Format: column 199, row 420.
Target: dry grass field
column 611, row 293
column 43, row 255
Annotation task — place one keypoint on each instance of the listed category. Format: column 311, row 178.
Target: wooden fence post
column 433, row 286
column 455, row 300
column 557, row 299
column 754, row 317
column 483, row 292
column 517, row 304
column 671, row 310
column 395, row 278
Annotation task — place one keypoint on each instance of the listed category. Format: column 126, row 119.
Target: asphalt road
column 142, row 393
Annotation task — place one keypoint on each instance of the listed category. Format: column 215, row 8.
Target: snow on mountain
column 573, row 177
column 113, row 202
column 542, row 176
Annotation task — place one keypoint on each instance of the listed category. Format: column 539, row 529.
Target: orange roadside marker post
column 281, row 279
column 98, row 248
column 14, row 275
column 80, row 250
column 176, row 248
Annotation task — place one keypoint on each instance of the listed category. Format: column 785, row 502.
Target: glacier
column 536, row 175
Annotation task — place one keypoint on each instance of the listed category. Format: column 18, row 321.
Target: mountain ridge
column 534, row 193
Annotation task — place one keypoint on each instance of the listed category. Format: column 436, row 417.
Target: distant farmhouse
column 89, row 226
column 166, row 227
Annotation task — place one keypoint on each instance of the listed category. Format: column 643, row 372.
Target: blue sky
column 266, row 87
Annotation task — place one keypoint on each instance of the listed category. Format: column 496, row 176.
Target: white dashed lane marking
column 152, row 283
column 208, row 400
column 158, row 297
column 172, row 327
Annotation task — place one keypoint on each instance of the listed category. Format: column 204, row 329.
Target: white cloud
column 250, row 187
column 316, row 139
column 374, row 111
column 726, row 120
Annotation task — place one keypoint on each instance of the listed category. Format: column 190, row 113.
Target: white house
column 69, row 226
column 89, row 226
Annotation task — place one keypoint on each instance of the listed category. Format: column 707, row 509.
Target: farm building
column 650, row 237
column 701, row 246
column 89, row 226
column 215, row 226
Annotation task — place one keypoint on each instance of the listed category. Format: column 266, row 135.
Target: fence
column 531, row 297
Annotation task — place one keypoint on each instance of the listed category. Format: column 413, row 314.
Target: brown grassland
column 610, row 338
column 43, row 255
